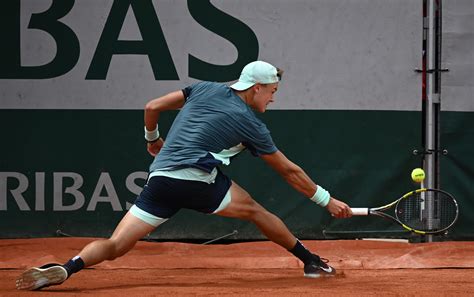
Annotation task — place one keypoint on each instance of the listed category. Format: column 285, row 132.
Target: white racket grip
column 360, row 211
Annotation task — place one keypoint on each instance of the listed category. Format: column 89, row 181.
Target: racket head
column 427, row 211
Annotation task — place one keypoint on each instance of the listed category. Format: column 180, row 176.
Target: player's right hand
column 338, row 209
column 154, row 147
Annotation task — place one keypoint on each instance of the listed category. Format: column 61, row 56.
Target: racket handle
column 360, row 211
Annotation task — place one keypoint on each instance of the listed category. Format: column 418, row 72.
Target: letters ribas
column 67, row 191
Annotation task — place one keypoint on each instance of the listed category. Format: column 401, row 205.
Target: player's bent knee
column 118, row 249
column 254, row 212
column 261, row 214
column 242, row 207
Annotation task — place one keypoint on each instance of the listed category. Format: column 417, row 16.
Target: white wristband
column 152, row 135
column 321, row 197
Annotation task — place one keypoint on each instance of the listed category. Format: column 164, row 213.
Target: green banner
column 78, row 171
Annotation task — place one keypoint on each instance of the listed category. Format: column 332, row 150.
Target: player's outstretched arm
column 299, row 180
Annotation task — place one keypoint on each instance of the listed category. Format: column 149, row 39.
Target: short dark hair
column 279, row 73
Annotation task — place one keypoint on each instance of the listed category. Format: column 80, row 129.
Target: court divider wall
column 83, row 184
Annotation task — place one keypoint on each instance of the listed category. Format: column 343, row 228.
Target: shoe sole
column 36, row 278
column 318, row 275
column 322, row 273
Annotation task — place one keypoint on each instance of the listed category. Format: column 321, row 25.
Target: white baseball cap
column 256, row 72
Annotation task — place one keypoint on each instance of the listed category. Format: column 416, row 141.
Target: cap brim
column 240, row 86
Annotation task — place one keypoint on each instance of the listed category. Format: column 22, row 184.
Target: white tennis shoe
column 36, row 278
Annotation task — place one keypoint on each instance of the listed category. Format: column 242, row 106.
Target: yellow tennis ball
column 418, row 175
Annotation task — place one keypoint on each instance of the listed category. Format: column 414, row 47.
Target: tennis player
column 215, row 123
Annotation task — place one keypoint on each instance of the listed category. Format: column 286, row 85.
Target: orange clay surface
column 365, row 268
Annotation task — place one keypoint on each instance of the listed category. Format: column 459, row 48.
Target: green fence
column 78, row 171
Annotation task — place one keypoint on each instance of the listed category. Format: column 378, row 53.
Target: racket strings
column 427, row 211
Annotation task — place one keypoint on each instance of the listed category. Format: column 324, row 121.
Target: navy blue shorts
column 164, row 196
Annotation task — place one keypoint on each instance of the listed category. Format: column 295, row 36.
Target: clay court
column 365, row 268
column 376, row 100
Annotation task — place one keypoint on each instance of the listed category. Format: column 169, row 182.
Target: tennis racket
column 423, row 211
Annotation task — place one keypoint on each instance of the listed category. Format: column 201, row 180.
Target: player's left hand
column 154, row 147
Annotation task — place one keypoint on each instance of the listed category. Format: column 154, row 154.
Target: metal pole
column 431, row 25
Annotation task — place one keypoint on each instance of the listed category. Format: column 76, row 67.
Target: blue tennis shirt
column 214, row 125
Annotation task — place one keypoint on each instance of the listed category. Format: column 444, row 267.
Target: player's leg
column 127, row 233
column 242, row 206
column 147, row 214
